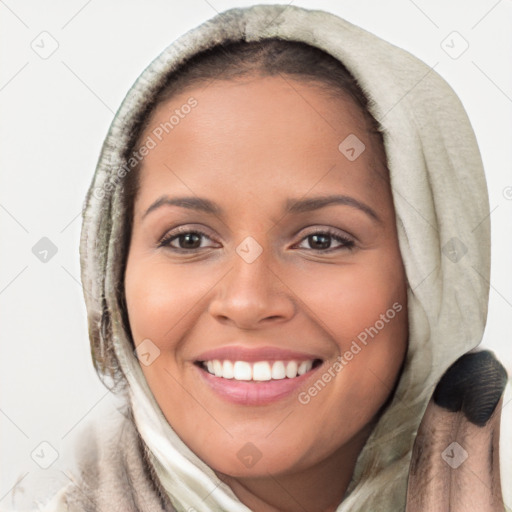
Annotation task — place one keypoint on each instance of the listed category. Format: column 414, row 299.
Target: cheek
column 349, row 299
column 376, row 316
column 363, row 307
column 158, row 295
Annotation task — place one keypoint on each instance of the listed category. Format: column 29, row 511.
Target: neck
column 319, row 488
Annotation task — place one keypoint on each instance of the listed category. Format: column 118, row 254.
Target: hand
column 455, row 458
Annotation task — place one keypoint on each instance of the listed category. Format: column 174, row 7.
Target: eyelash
column 348, row 244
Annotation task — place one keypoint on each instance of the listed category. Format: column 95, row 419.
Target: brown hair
column 229, row 61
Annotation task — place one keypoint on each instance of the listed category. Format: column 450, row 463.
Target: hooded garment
column 442, row 217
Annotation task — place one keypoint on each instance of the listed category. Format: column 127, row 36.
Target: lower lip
column 254, row 392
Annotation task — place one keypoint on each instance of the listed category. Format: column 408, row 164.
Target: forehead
column 257, row 133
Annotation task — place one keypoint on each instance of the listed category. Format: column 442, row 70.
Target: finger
column 477, row 486
column 455, row 459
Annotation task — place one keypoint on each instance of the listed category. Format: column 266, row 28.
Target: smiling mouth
column 258, row 371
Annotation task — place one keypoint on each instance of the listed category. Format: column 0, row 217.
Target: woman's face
column 282, row 260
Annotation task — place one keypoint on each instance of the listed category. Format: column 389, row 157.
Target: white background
column 55, row 113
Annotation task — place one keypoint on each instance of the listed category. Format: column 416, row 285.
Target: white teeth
column 304, row 367
column 227, row 370
column 217, row 368
column 261, row 371
column 278, row 370
column 242, row 370
column 258, row 371
column 291, row 369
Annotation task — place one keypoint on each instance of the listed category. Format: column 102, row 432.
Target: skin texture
column 249, row 145
column 467, row 479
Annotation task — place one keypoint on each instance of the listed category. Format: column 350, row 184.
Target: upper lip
column 254, row 354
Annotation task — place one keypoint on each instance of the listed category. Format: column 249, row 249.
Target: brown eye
column 189, row 241
column 186, row 240
column 322, row 241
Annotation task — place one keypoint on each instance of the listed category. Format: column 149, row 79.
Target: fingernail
column 474, row 385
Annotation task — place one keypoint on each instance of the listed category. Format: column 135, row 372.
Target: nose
column 251, row 295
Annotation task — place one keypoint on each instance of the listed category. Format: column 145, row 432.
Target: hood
column 442, row 217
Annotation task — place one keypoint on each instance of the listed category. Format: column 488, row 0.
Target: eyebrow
column 291, row 206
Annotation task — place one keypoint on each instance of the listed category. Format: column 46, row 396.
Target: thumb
column 455, row 458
